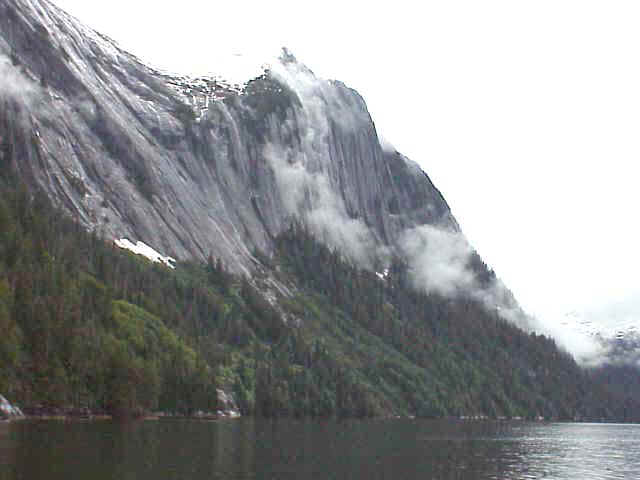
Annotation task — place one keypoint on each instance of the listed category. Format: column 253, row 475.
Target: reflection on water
column 382, row 449
column 591, row 451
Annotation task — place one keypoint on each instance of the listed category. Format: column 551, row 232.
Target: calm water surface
column 371, row 450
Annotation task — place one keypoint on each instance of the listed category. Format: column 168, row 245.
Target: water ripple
column 318, row 450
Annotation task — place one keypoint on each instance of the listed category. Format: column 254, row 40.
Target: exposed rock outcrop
column 8, row 411
column 227, row 406
column 193, row 171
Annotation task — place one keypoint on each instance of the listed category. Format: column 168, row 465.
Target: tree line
column 89, row 325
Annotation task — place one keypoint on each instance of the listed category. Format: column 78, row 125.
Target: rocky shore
column 226, row 409
column 42, row 412
column 8, row 411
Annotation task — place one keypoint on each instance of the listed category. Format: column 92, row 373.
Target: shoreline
column 102, row 417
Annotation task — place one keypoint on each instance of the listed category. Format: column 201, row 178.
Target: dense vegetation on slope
column 471, row 360
column 86, row 324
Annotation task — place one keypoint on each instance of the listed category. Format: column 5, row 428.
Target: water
column 371, row 450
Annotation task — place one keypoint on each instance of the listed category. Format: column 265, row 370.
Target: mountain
column 193, row 167
column 301, row 264
column 615, row 338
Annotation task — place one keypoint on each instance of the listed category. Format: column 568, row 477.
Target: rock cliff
column 196, row 167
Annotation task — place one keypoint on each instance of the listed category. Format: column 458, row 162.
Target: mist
column 15, row 84
column 585, row 347
column 308, row 195
column 302, row 170
column 439, row 262
column 439, row 256
column 438, row 259
column 612, row 326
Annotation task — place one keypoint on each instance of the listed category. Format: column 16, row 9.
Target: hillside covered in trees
column 86, row 324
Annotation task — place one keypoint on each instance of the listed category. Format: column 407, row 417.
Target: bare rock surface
column 193, row 167
column 8, row 411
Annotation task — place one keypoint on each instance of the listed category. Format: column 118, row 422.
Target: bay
column 317, row 449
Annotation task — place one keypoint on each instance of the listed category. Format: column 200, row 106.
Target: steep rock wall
column 192, row 167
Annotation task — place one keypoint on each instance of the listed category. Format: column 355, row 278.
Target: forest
column 89, row 325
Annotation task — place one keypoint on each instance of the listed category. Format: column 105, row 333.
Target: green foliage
column 87, row 324
column 265, row 96
column 428, row 355
column 76, row 327
column 10, row 340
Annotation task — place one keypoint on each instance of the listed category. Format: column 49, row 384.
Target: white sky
column 526, row 114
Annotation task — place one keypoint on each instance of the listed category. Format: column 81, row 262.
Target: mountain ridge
column 287, row 201
column 189, row 180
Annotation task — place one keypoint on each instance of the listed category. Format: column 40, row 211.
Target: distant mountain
column 616, row 341
column 299, row 263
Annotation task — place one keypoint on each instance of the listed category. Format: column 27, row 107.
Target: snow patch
column 386, row 145
column 231, row 71
column 141, row 248
column 598, row 325
column 384, row 275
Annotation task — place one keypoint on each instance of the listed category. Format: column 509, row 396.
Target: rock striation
column 193, row 167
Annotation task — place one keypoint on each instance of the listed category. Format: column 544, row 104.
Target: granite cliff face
column 194, row 167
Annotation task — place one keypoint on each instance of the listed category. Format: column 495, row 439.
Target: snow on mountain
column 614, row 339
column 141, row 248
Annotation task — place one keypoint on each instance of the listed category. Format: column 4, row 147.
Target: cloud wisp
column 16, row 85
column 440, row 263
column 439, row 257
column 302, row 170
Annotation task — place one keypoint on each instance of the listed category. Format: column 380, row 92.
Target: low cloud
column 14, row 84
column 604, row 333
column 438, row 259
column 308, row 195
column 583, row 345
column 323, row 101
column 302, row 170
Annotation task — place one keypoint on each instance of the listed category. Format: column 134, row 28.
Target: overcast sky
column 526, row 115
